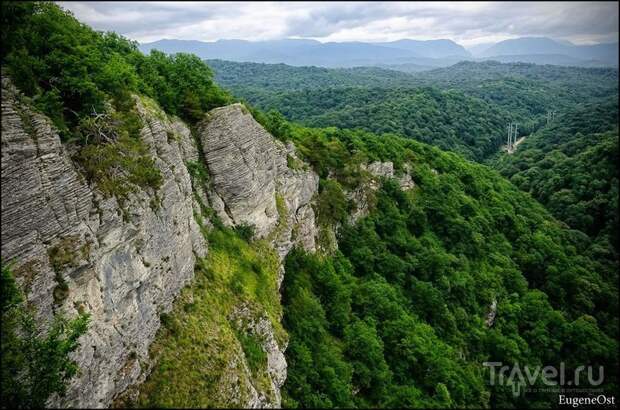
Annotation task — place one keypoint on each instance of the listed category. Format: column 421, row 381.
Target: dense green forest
column 409, row 289
column 571, row 167
column 282, row 77
column 398, row 315
column 463, row 108
column 451, row 120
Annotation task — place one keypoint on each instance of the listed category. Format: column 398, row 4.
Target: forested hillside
column 464, row 108
column 450, row 120
column 571, row 167
column 399, row 308
column 261, row 77
column 411, row 286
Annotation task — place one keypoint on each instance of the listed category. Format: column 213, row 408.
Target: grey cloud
column 334, row 21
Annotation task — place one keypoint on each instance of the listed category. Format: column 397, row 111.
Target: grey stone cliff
column 123, row 272
column 252, row 183
column 129, row 262
column 362, row 197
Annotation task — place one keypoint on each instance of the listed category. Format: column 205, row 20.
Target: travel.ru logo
column 518, row 378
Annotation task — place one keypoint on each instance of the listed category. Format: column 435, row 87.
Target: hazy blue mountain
column 403, row 55
column 290, row 51
column 553, row 59
column 527, row 46
column 478, row 49
column 411, row 53
column 430, row 48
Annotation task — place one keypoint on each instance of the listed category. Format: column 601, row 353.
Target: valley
column 182, row 228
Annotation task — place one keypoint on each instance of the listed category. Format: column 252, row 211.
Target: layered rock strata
column 74, row 249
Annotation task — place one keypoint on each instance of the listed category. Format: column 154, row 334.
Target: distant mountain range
column 314, row 53
column 605, row 53
column 404, row 55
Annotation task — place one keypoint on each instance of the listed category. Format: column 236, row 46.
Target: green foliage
column 463, row 108
column 118, row 168
column 571, row 168
column 199, row 338
column 448, row 119
column 331, row 203
column 395, row 317
column 71, row 70
column 198, row 171
column 182, row 84
column 258, row 77
column 245, row 231
column 400, row 310
column 253, row 350
column 35, row 365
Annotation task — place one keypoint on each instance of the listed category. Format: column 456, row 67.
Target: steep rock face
column 258, row 325
column 124, row 271
column 252, row 183
column 125, row 264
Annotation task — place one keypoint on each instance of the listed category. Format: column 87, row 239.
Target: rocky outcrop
column 252, row 182
column 386, row 170
column 363, row 195
column 257, row 180
column 123, row 265
column 257, row 324
column 490, row 319
column 75, row 249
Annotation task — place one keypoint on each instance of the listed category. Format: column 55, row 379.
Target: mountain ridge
column 409, row 54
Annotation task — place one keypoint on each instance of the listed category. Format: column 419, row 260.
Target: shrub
column 34, row 365
column 245, row 231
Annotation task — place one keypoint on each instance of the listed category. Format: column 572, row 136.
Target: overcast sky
column 467, row 23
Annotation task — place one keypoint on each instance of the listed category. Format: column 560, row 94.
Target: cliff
column 124, row 270
column 74, row 247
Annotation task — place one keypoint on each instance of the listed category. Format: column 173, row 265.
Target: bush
column 245, row 231
column 253, row 350
column 34, row 365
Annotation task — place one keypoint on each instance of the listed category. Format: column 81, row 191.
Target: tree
column 35, row 364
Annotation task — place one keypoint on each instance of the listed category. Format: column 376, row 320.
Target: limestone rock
column 124, row 271
column 252, row 183
column 381, row 169
column 258, row 325
column 243, row 163
column 490, row 319
column 127, row 263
